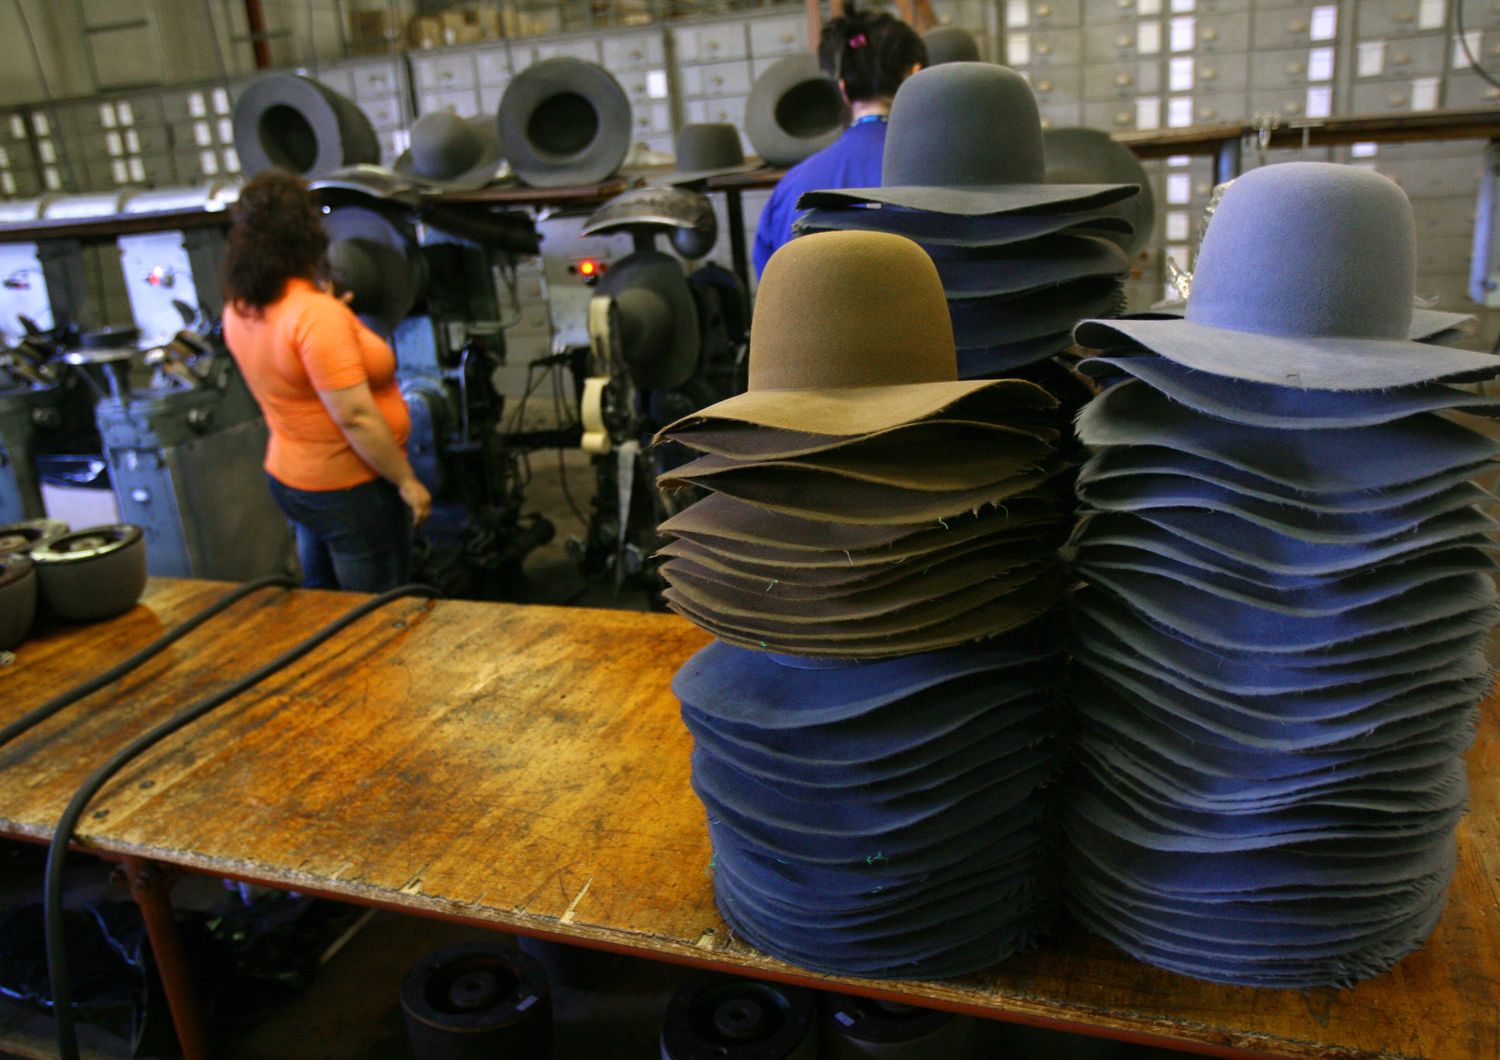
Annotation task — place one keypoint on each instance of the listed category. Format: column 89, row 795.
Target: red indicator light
column 588, row 267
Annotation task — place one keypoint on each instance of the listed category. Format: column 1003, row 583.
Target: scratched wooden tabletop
column 526, row 766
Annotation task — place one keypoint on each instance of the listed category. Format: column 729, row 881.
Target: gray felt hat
column 966, row 139
column 564, row 121
column 950, row 44
column 372, row 255
column 707, row 149
column 658, row 318
column 450, row 152
column 289, row 121
column 1088, row 156
column 795, row 110
column 1305, row 279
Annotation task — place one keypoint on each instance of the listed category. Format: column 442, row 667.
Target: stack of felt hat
column 876, row 724
column 1284, row 595
column 1022, row 261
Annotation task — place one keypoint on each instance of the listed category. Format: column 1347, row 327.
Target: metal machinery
column 663, row 342
column 441, row 299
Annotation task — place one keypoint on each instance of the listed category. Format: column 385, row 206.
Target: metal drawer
column 1398, row 18
column 1401, row 57
column 1099, row 12
column 1055, row 13
column 587, row 50
column 1378, row 97
column 1123, row 41
column 492, row 66
column 387, row 113
column 1439, row 255
column 490, row 97
column 711, row 43
column 1443, row 218
column 637, row 51
column 1225, row 72
column 716, row 110
column 1121, row 80
column 1466, row 89
column 1290, row 103
column 653, row 118
column 375, row 81
column 1110, row 117
column 644, row 86
column 1061, row 115
column 1044, row 49
column 442, row 73
column 778, row 36
column 719, row 79
column 463, row 102
column 1435, row 178
column 1210, row 108
column 1279, row 70
column 1223, row 32
column 1295, row 26
column 1063, row 85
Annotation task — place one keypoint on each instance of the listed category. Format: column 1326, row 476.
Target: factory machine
column 436, row 282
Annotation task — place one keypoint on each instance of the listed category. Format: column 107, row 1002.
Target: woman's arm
column 353, row 409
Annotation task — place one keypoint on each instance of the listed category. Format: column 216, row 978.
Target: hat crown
column 443, row 145
column 355, row 267
column 850, row 309
column 709, row 145
column 950, row 44
column 1308, row 249
column 963, row 124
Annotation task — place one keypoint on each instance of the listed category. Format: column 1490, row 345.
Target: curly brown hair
column 276, row 234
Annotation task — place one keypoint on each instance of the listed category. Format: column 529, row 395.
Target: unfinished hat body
column 450, row 152
column 374, row 256
column 564, row 121
column 1286, row 584
column 876, row 726
column 794, row 111
column 1089, row 156
column 1020, row 258
column 707, row 149
column 288, row 121
column 950, row 44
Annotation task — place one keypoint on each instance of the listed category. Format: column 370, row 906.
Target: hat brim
column 661, row 274
column 969, row 273
column 596, row 160
column 1429, row 324
column 480, row 174
column 1306, row 363
column 771, row 141
column 696, row 176
column 978, row 201
column 342, row 133
column 940, row 230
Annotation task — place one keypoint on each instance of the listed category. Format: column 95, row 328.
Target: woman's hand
column 416, row 497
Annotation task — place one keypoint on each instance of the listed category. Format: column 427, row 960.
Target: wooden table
column 525, row 768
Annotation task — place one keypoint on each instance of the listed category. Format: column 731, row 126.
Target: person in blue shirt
column 869, row 54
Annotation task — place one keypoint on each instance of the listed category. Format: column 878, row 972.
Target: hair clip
column 859, row 40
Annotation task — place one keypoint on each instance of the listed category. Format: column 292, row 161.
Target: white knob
column 1124, row 80
column 1044, row 48
column 1210, row 34
column 1297, row 25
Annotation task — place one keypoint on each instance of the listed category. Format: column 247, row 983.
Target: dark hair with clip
column 276, row 234
column 870, row 51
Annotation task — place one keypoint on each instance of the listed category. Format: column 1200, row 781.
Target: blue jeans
column 357, row 539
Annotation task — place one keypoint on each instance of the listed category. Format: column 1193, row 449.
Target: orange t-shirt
column 304, row 342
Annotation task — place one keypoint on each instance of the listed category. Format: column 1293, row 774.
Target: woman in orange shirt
column 327, row 385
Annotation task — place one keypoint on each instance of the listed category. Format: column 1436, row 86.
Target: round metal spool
column 18, row 592
column 716, row 1018
column 92, row 574
column 856, row 1027
column 27, row 535
column 477, row 1000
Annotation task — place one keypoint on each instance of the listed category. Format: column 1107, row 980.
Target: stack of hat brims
column 1285, row 597
column 76, row 576
column 1022, row 261
column 874, row 787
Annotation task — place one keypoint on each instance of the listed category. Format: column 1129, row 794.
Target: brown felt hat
column 851, row 335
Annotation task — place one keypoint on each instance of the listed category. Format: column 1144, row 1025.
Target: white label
column 52, row 178
column 1017, row 13
column 197, row 105
column 118, row 171
column 221, row 101
column 1181, row 6
column 17, row 127
column 107, row 115
column 138, row 170
column 126, row 112
column 1180, row 75
column 113, row 144
column 1325, row 22
column 39, row 124
column 1178, row 225
column 7, row 183
column 226, row 130
column 1179, row 189
column 47, row 151
column 1424, row 93
column 1148, row 7
column 1183, row 31
column 132, row 142
column 1475, row 40
column 232, row 159
column 1148, row 112
column 1320, row 64
column 1367, row 149
column 203, row 133
column 208, row 162
column 1148, row 38
column 1371, row 58
column 1178, row 161
column 656, row 86
column 4, row 158
column 1319, row 101
column 1018, row 49
column 1432, row 14
column 1180, row 112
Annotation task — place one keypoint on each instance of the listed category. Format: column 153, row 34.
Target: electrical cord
column 40, row 714
column 57, row 954
column 1463, row 42
column 65, row 161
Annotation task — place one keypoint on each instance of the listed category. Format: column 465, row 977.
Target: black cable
column 562, row 464
column 65, row 161
column 57, row 954
column 35, row 717
column 1463, row 42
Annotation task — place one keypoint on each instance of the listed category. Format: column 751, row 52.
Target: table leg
column 739, row 256
column 151, row 886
